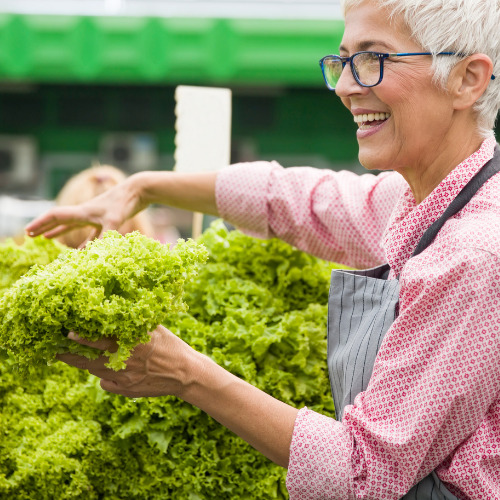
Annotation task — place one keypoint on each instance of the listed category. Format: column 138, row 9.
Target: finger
column 46, row 221
column 96, row 367
column 59, row 231
column 82, row 362
column 95, row 234
column 58, row 216
column 67, row 228
column 82, row 245
column 103, row 344
column 110, row 386
column 39, row 225
column 117, row 388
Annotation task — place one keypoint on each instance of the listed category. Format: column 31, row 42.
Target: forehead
column 368, row 27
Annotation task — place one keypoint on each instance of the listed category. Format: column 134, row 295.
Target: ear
column 469, row 80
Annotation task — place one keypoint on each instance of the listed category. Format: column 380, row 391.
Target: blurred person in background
column 413, row 343
column 167, row 222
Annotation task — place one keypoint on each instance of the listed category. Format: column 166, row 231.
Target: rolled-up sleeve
column 338, row 216
column 320, row 463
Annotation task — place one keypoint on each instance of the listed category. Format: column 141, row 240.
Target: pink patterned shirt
column 433, row 401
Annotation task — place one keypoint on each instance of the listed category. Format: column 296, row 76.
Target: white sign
column 203, row 128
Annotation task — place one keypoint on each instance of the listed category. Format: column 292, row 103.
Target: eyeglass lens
column 366, row 67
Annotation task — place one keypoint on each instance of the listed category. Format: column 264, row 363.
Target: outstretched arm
column 190, row 191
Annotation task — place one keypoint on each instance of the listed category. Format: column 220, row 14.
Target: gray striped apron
column 362, row 305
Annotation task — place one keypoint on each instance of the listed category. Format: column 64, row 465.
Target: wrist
column 196, row 375
column 139, row 187
column 172, row 365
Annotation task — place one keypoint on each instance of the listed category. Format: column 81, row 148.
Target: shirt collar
column 409, row 221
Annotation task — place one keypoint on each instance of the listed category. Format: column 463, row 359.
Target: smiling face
column 405, row 120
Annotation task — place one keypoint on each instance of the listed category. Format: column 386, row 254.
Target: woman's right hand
column 189, row 191
column 107, row 211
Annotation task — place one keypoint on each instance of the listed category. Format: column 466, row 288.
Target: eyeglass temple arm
column 459, row 54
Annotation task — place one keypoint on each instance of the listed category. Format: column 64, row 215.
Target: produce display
column 258, row 308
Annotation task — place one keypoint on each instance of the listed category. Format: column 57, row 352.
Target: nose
column 347, row 84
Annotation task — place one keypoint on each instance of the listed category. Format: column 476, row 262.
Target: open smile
column 367, row 121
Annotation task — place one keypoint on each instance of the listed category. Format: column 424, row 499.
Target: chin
column 375, row 158
column 370, row 161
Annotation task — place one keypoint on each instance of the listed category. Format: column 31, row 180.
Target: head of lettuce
column 117, row 287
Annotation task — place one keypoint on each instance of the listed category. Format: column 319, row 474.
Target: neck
column 426, row 176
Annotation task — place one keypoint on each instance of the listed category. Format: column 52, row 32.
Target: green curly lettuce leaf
column 119, row 286
column 16, row 260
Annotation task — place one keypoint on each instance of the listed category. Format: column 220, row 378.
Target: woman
column 416, row 379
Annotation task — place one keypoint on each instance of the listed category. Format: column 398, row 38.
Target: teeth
column 371, row 117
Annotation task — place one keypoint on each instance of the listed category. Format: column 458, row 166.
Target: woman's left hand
column 153, row 369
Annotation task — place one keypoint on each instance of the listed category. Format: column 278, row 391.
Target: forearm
column 188, row 191
column 258, row 418
column 167, row 365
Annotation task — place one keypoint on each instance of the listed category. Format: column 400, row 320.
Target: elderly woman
column 414, row 344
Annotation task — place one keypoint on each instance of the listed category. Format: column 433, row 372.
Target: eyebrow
column 368, row 44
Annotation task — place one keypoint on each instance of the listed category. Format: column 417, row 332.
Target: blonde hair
column 462, row 26
column 88, row 184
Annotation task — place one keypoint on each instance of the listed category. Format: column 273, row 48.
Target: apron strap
column 469, row 190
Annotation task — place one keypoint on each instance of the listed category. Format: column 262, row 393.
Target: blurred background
column 86, row 82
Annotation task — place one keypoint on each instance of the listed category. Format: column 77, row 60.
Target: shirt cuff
column 320, row 458
column 241, row 196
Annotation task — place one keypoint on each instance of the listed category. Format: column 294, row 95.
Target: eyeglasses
column 366, row 67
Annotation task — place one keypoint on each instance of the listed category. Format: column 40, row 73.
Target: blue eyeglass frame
column 381, row 57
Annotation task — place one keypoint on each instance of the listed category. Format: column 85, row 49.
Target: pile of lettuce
column 258, row 308
column 118, row 286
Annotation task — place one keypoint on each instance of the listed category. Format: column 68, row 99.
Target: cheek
column 415, row 104
column 402, row 95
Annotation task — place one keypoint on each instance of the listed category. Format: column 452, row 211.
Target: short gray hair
column 463, row 26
